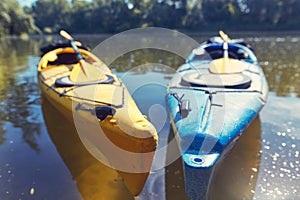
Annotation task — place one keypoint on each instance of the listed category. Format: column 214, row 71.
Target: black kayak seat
column 66, row 82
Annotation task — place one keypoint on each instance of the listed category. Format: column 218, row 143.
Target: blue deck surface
column 209, row 128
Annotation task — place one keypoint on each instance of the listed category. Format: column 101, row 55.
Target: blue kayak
column 211, row 99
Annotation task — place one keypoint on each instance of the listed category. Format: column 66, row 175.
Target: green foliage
column 13, row 19
column 108, row 16
column 51, row 14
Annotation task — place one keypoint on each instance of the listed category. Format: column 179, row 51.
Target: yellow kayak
column 107, row 120
column 83, row 167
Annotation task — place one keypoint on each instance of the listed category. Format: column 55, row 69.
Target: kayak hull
column 209, row 109
column 84, row 168
column 107, row 120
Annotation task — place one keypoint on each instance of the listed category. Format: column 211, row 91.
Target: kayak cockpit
column 214, row 51
column 65, row 56
column 65, row 81
column 95, row 72
column 203, row 78
column 229, row 65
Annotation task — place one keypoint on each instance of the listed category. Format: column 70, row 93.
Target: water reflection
column 18, row 89
column 148, row 90
column 93, row 179
column 147, row 57
column 28, row 158
column 279, row 176
column 279, row 56
column 20, row 106
column 2, row 131
column 236, row 177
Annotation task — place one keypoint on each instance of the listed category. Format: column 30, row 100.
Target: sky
column 26, row 2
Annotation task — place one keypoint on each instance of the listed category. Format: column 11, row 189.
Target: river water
column 41, row 157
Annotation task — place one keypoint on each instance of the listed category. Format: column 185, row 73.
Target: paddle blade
column 86, row 72
column 224, row 36
column 66, row 35
column 77, row 43
column 83, row 68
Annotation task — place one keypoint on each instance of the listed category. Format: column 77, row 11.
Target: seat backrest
column 227, row 66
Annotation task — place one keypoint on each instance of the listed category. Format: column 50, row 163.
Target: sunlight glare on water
column 279, row 177
column 45, row 160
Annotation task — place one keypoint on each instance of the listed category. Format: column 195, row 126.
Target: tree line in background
column 109, row 16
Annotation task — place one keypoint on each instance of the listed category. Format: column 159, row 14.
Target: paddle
column 226, row 65
column 226, row 39
column 67, row 36
column 224, row 36
column 86, row 71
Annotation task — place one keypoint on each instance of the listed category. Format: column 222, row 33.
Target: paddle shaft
column 225, row 48
column 72, row 42
column 74, row 46
column 226, row 39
